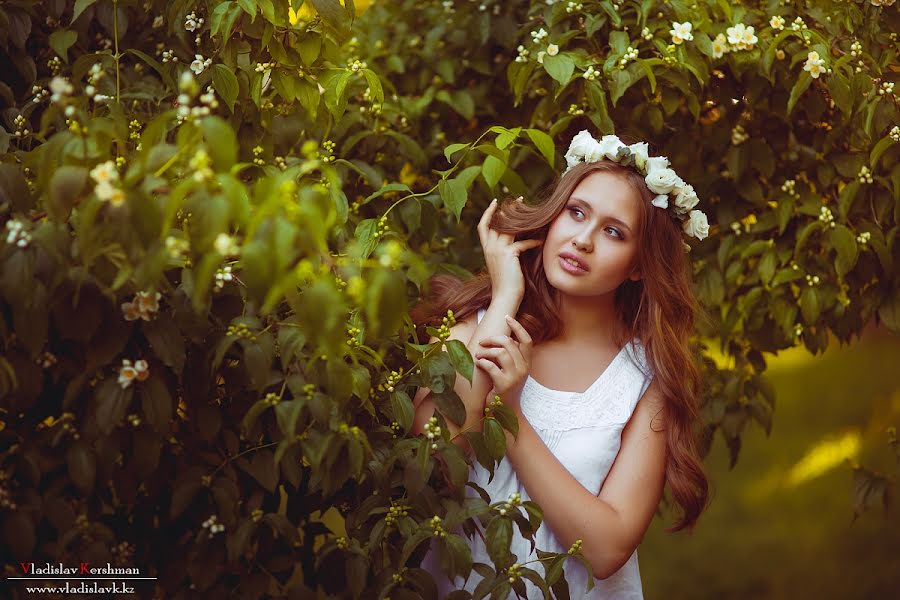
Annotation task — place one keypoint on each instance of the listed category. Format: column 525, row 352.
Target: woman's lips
column 570, row 268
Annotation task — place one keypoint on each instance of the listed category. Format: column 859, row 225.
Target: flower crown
column 661, row 180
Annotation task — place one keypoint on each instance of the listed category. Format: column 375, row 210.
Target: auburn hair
column 659, row 309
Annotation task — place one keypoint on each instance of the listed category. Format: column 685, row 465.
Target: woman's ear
column 635, row 275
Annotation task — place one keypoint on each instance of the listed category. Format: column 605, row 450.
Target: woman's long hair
column 659, row 309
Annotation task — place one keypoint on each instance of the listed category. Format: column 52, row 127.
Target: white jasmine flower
column 719, row 46
column 128, row 372
column 748, row 39
column 176, row 247
column 105, row 172
column 696, row 225
column 104, row 190
column 116, row 197
column 552, row 50
column 741, row 37
column 225, row 245
column 814, row 64
column 60, row 87
column 681, row 32
column 777, row 22
column 540, row 56
column 199, row 64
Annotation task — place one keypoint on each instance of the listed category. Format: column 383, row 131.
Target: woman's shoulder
column 636, row 352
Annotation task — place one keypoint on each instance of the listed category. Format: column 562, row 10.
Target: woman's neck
column 587, row 320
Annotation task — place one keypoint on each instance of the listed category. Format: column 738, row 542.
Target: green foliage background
column 342, row 161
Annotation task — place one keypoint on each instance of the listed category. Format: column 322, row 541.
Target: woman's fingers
column 484, row 223
column 508, row 353
column 524, row 339
column 523, row 245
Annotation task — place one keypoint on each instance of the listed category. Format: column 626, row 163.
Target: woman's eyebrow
column 584, row 203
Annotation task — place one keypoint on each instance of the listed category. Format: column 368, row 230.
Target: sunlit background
column 781, row 524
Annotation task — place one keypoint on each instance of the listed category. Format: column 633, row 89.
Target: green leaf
column 810, row 305
column 498, row 537
column 309, row 48
column 494, row 438
column 377, row 91
column 767, row 265
column 560, row 67
column 156, row 402
column 80, row 7
column 223, row 18
column 618, row 41
column 600, row 114
column 461, row 359
column 167, row 342
column 544, row 144
column 453, row 149
column 412, row 543
column 507, row 419
column 620, row 81
column 878, row 149
column 492, row 170
column 402, row 408
column 460, row 555
column 249, row 7
column 800, row 86
column 844, row 243
column 66, row 186
column 506, row 137
column 450, row 405
column 82, row 466
column 61, row 41
column 226, row 84
column 222, row 142
column 332, row 13
column 468, row 175
column 111, row 403
column 889, row 312
column 454, row 195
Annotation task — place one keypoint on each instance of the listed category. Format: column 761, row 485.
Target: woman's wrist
column 508, row 300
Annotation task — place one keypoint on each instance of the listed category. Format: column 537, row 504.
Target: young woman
column 586, row 339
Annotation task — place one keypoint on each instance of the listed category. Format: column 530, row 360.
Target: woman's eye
column 572, row 208
column 616, row 231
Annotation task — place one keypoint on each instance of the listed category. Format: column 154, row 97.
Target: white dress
column 584, row 432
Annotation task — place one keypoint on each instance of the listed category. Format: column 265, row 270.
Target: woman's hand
column 507, row 361
column 501, row 255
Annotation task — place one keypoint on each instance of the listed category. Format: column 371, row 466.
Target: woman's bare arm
column 473, row 395
column 611, row 524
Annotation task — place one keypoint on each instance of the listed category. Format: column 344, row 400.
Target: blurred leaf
column 226, row 84
column 61, row 40
column 66, row 186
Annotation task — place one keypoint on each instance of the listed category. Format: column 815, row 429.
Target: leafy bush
column 289, row 200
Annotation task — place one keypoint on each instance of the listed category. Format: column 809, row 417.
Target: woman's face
column 601, row 218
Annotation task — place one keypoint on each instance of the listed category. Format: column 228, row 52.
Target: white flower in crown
column 641, row 153
column 685, row 198
column 663, row 181
column 696, row 225
column 609, row 147
column 659, row 177
column 581, row 144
